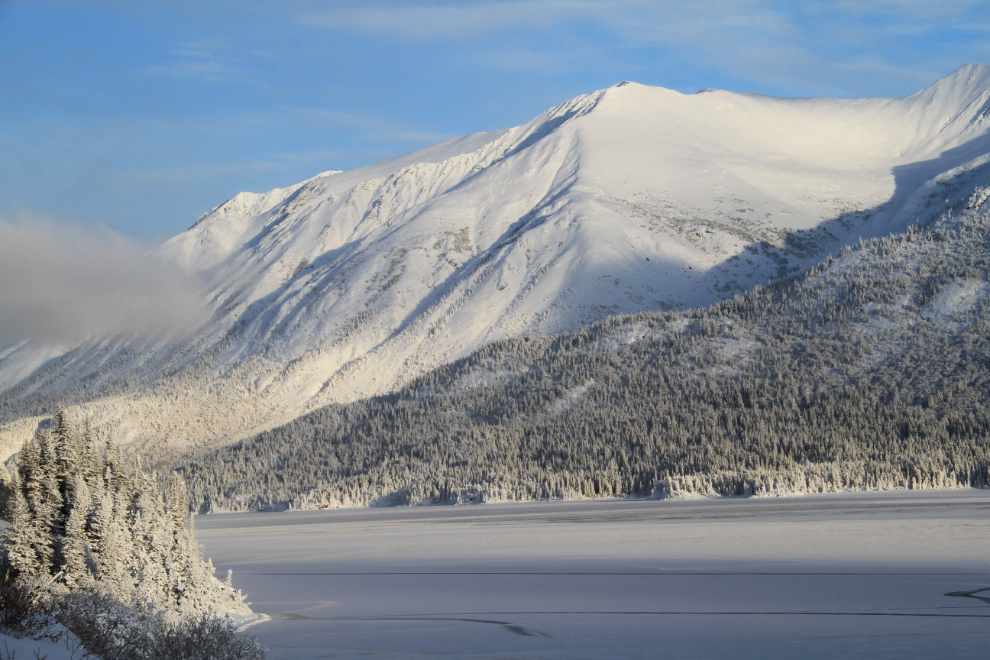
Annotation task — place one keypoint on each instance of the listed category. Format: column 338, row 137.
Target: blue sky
column 141, row 116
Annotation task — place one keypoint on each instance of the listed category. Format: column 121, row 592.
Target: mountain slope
column 870, row 371
column 628, row 199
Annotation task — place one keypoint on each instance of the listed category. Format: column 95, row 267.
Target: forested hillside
column 871, row 370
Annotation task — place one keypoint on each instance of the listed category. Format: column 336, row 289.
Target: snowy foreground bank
column 13, row 648
column 856, row 575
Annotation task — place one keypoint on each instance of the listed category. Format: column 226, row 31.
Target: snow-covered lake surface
column 847, row 575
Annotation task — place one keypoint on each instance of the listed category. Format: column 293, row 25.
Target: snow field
column 12, row 648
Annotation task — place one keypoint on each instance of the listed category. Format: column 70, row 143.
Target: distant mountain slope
column 871, row 371
column 629, row 199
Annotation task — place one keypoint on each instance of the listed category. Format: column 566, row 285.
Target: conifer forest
column 870, row 371
column 106, row 553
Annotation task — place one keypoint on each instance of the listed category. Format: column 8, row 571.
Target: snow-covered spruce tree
column 80, row 522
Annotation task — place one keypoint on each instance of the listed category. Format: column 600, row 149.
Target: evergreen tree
column 115, row 549
column 75, row 546
column 116, row 532
column 21, row 538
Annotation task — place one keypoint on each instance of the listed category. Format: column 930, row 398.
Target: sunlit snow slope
column 631, row 198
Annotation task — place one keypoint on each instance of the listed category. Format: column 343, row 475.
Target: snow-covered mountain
column 630, row 198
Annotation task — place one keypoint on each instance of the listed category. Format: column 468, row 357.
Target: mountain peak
column 626, row 199
column 972, row 73
column 966, row 82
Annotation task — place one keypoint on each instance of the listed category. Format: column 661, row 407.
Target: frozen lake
column 824, row 576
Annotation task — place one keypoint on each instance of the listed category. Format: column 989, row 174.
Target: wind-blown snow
column 631, row 198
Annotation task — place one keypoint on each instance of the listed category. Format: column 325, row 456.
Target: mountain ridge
column 627, row 199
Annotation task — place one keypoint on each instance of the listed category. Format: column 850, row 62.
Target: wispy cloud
column 210, row 71
column 310, row 156
column 430, row 21
column 210, row 60
column 468, row 20
column 522, row 59
column 169, row 177
column 62, row 283
column 376, row 128
column 393, row 136
column 677, row 20
column 767, row 42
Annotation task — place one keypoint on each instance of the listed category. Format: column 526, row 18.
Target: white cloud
column 467, row 20
column 208, row 61
column 432, row 21
column 377, row 129
column 324, row 155
column 206, row 70
column 816, row 47
column 65, row 284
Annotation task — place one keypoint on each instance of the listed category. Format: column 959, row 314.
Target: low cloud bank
column 65, row 284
